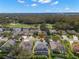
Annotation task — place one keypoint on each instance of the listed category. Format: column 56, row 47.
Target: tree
column 43, row 27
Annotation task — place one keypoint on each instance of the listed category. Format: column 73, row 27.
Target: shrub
column 39, row 57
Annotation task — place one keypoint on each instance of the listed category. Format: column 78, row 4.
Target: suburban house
column 41, row 48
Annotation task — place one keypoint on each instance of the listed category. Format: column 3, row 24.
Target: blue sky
column 38, row 6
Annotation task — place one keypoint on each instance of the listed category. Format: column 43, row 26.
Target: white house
column 1, row 29
column 75, row 38
column 64, row 37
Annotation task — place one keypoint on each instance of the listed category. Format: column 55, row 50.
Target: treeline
column 61, row 21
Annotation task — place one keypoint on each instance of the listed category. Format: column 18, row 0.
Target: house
column 26, row 45
column 3, row 38
column 1, row 29
column 75, row 46
column 26, row 42
column 25, row 29
column 53, row 31
column 53, row 45
column 24, row 37
column 64, row 37
column 71, row 31
column 56, row 47
column 8, row 45
column 16, row 29
column 41, row 48
column 75, row 38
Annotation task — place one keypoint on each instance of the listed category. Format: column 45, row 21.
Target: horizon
column 39, row 13
column 39, row 6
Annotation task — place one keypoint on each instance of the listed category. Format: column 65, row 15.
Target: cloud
column 33, row 5
column 55, row 3
column 47, row 11
column 21, row 1
column 26, row 5
column 34, row 0
column 67, row 8
column 42, row 1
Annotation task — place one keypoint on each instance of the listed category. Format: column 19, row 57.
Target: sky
column 38, row 6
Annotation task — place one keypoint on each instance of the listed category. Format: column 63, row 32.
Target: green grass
column 17, row 25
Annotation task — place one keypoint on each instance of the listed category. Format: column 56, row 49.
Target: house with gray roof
column 41, row 48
